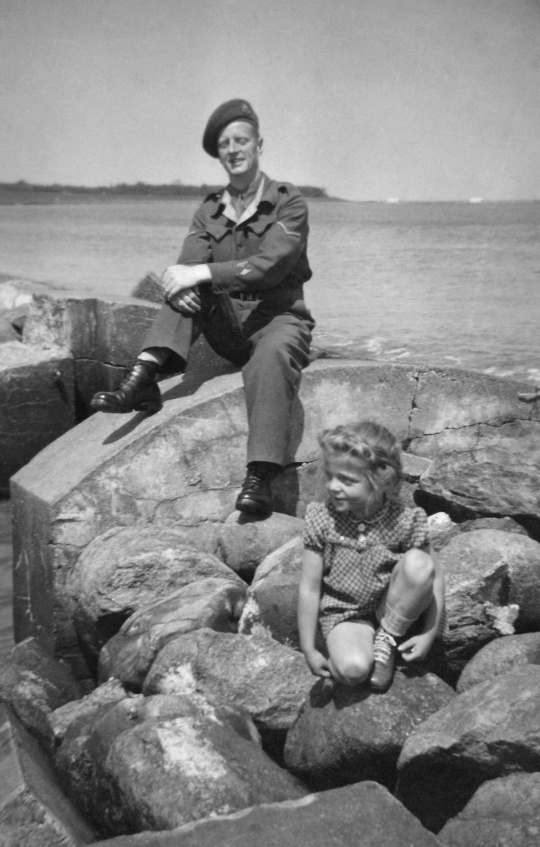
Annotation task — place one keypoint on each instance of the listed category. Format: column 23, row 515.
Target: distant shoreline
column 26, row 198
column 22, row 193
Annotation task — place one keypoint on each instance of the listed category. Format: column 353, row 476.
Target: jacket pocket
column 217, row 232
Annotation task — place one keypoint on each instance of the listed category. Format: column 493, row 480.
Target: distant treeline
column 174, row 189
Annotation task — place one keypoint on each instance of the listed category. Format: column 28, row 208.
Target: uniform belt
column 244, row 295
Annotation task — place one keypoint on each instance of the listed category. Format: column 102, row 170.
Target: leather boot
column 255, row 497
column 384, row 655
column 138, row 392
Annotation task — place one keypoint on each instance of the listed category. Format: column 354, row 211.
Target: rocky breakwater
column 186, row 712
column 57, row 348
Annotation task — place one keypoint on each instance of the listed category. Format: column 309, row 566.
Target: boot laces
column 383, row 647
column 139, row 375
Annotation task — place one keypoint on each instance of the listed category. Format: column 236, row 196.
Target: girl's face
column 348, row 487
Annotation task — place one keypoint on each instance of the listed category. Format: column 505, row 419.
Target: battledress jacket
column 264, row 254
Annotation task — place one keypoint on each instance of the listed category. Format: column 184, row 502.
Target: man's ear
column 260, row 145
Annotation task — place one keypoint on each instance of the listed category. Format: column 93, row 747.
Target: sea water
column 449, row 284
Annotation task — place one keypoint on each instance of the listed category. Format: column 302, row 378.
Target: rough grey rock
column 212, row 602
column 149, row 288
column 489, row 731
column 496, row 476
column 252, row 672
column 106, row 330
column 499, row 657
column 491, row 586
column 441, row 529
column 500, row 524
column 244, row 542
column 361, row 815
column 128, row 568
column 504, row 812
column 272, row 598
column 60, row 685
column 37, row 403
column 10, row 323
column 345, row 735
column 159, row 762
column 33, row 809
column 83, row 711
column 15, row 294
column 34, row 690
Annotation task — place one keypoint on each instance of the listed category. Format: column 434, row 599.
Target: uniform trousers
column 272, row 349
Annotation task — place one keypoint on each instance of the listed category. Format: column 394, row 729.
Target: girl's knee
column 418, row 567
column 351, row 671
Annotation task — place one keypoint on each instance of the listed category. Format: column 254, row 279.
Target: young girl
column 367, row 571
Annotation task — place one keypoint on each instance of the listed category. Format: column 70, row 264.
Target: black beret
column 232, row 110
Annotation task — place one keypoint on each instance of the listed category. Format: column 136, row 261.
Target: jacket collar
column 267, row 194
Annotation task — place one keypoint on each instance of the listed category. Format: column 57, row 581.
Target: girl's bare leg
column 350, row 650
column 410, row 592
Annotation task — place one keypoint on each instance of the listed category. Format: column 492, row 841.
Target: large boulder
column 212, row 602
column 127, row 568
column 253, row 672
column 496, row 475
column 244, row 542
column 33, row 809
column 82, row 712
column 345, row 735
column 500, row 656
column 502, row 812
column 490, row 731
column 361, row 815
column 272, row 597
column 159, row 762
column 491, row 585
column 34, row 685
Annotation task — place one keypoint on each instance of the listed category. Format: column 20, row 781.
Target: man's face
column 239, row 147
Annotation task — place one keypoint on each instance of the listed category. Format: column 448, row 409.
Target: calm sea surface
column 442, row 283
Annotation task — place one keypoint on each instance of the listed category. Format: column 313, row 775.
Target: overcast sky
column 416, row 99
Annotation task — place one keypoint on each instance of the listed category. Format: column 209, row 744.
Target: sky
column 369, row 99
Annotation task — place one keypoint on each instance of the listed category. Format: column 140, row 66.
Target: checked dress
column 359, row 556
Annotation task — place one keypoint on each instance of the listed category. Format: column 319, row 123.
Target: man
column 239, row 281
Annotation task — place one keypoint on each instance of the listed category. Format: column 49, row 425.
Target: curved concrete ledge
column 182, row 467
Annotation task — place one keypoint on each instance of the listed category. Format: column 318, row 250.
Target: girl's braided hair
column 374, row 446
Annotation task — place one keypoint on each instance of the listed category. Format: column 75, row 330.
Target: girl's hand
column 417, row 647
column 318, row 664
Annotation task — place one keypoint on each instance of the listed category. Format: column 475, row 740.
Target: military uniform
column 253, row 311
column 247, row 250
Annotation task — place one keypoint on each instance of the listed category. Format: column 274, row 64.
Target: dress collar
column 379, row 514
